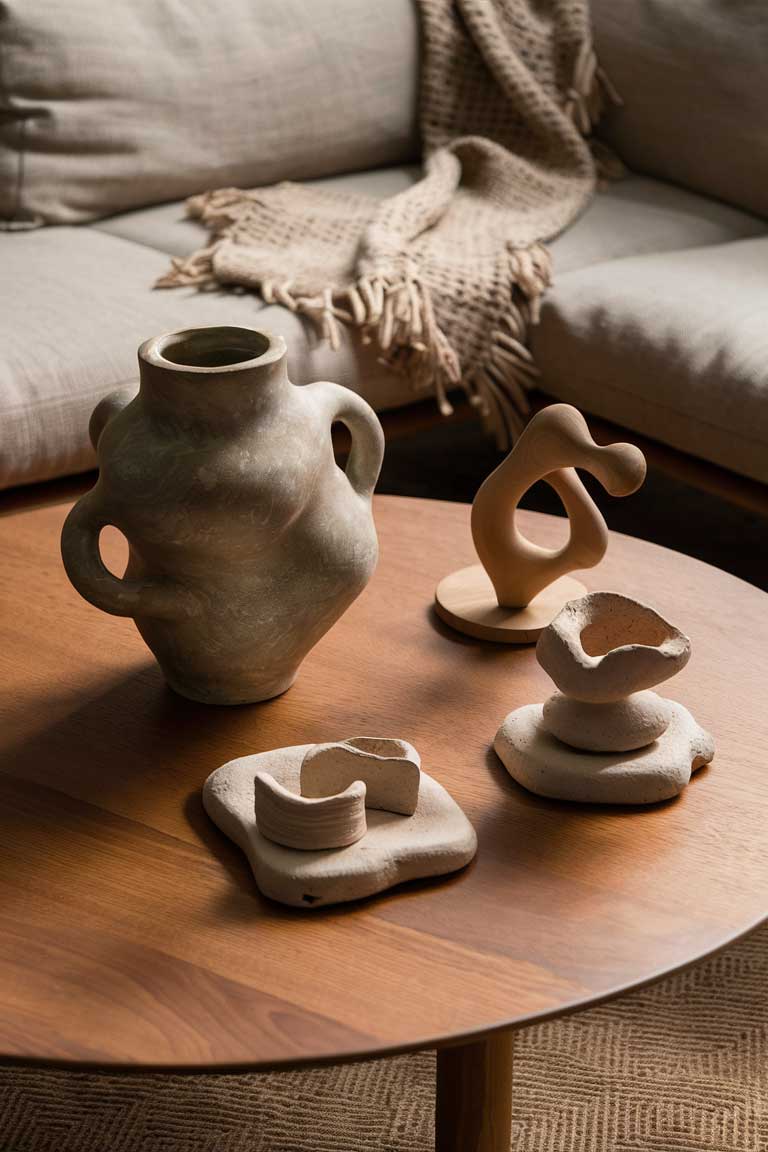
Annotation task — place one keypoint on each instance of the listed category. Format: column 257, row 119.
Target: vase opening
column 214, row 347
column 614, row 630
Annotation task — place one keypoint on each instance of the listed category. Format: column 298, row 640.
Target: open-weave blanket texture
column 447, row 276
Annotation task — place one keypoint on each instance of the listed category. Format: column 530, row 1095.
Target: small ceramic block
column 619, row 727
column 331, row 821
column 388, row 768
column 542, row 764
column 435, row 840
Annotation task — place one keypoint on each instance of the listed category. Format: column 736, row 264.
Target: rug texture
column 446, row 276
column 679, row 1067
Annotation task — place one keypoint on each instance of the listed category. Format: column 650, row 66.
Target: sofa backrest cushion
column 693, row 77
column 106, row 106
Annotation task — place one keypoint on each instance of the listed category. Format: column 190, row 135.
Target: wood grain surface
column 131, row 932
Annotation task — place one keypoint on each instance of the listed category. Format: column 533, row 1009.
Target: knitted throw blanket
column 447, row 276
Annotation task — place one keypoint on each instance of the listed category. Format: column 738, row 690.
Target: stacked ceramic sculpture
column 604, row 736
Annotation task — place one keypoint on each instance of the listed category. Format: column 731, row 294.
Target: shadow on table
column 135, row 752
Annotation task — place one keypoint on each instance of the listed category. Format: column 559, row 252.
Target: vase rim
column 213, row 349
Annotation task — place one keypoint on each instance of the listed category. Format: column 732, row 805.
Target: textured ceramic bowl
column 604, row 647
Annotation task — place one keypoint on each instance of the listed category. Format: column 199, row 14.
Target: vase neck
column 215, row 377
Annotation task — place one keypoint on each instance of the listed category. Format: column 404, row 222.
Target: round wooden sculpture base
column 467, row 601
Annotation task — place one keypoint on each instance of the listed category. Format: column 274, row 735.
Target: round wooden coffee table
column 131, row 933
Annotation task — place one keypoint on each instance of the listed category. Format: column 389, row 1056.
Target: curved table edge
column 383, row 1052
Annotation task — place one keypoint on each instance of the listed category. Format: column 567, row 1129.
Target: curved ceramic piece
column 329, row 821
column 435, row 840
column 390, row 770
column 554, row 443
column 246, row 541
column 619, row 727
column 542, row 764
column 604, row 647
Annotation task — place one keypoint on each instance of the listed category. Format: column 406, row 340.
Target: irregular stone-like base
column 438, row 838
column 544, row 765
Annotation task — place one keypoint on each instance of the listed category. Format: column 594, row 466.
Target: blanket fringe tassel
column 398, row 316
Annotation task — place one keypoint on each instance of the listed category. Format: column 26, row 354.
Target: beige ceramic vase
column 246, row 540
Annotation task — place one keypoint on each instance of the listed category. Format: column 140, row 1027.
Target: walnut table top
column 131, row 932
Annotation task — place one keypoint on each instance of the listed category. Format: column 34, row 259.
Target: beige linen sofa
column 112, row 114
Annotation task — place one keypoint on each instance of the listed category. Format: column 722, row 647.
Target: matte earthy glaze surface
column 247, row 541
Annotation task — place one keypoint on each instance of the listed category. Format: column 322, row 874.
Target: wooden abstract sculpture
column 519, row 587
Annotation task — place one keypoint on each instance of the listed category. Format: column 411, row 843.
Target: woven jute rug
column 681, row 1066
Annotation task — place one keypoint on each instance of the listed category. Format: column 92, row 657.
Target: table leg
column 473, row 1111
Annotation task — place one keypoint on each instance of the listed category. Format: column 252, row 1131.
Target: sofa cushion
column 636, row 215
column 81, row 304
column 674, row 346
column 693, row 79
column 116, row 105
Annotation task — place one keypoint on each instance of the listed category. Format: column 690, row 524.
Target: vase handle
column 367, row 452
column 109, row 406
column 96, row 584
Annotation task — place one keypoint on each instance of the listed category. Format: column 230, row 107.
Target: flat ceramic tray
column 437, row 839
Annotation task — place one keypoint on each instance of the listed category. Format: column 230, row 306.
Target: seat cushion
column 693, row 78
column 628, row 218
column 80, row 305
column 635, row 216
column 168, row 228
column 673, row 345
column 112, row 106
